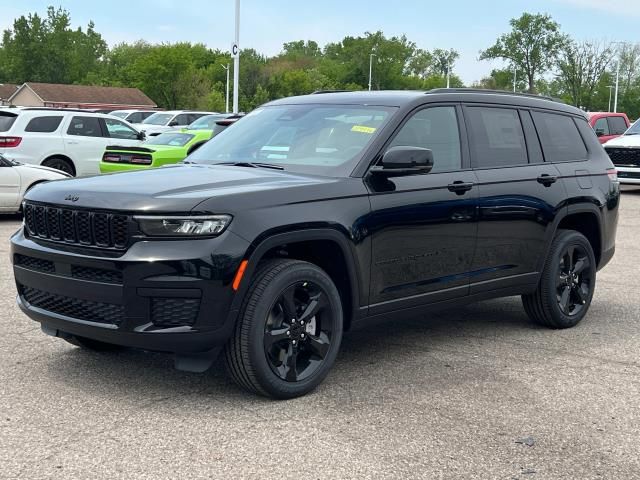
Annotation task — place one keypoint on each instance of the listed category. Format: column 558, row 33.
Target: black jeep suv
column 313, row 214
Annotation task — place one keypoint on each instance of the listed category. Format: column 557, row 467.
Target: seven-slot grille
column 624, row 157
column 80, row 227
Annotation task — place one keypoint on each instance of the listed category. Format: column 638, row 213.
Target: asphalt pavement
column 476, row 392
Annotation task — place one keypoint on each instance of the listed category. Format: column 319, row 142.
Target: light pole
column 610, row 87
column 370, row 67
column 226, row 67
column 236, row 60
column 448, row 74
column 615, row 101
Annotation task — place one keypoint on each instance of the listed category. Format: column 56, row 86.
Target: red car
column 608, row 125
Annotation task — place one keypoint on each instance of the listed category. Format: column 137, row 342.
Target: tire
column 567, row 283
column 93, row 345
column 267, row 350
column 60, row 163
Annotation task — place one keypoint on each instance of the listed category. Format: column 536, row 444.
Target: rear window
column 617, row 125
column 43, row 124
column 6, row 121
column 497, row 137
column 561, row 141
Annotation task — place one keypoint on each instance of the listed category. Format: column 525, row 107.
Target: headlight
column 195, row 226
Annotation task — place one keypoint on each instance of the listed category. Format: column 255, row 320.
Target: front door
column 423, row 227
column 85, row 142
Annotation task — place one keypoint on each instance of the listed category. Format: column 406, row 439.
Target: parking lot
column 477, row 392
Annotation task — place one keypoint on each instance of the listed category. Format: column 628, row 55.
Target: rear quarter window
column 561, row 141
column 43, row 124
column 6, row 121
column 617, row 125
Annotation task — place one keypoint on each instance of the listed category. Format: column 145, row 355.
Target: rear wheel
column 60, row 163
column 289, row 330
column 95, row 345
column 567, row 283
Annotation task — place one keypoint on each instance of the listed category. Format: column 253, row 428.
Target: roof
column 89, row 94
column 7, row 90
column 406, row 98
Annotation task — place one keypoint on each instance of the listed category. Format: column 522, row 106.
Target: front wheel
column 566, row 285
column 288, row 332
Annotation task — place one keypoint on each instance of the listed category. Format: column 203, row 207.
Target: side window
column 43, row 124
column 182, row 119
column 118, row 129
column 617, row 125
column 144, row 115
column 601, row 127
column 561, row 141
column 194, row 116
column 135, row 118
column 497, row 138
column 435, row 128
column 85, row 127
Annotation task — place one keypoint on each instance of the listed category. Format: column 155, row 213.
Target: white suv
column 69, row 140
column 133, row 116
column 161, row 122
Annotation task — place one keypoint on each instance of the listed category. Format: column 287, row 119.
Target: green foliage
column 532, row 45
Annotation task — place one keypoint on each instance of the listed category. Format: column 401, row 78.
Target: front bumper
column 629, row 175
column 170, row 296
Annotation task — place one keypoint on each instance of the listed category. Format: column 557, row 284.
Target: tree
column 580, row 68
column 502, row 79
column 49, row 50
column 532, row 45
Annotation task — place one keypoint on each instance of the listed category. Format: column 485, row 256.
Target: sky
column 465, row 25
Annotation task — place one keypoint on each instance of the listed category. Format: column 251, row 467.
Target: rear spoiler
column 129, row 149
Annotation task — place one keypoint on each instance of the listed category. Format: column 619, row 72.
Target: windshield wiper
column 253, row 165
column 632, row 133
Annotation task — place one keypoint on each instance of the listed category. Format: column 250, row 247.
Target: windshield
column 207, row 122
column 307, row 138
column 634, row 129
column 170, row 138
column 120, row 114
column 158, row 119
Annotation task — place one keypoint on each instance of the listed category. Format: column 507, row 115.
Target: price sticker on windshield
column 362, row 129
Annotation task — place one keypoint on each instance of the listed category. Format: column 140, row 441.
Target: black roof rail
column 491, row 92
column 319, row 92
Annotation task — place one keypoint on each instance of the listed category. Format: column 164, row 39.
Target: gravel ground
column 477, row 392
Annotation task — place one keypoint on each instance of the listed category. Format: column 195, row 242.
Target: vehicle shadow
column 365, row 352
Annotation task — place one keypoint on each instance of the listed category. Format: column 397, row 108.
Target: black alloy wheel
column 574, row 280
column 288, row 332
column 567, row 283
column 298, row 331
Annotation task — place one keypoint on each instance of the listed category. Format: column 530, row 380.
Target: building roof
column 89, row 94
column 7, row 89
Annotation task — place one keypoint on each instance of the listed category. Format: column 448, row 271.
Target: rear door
column 423, row 227
column 519, row 196
column 85, row 141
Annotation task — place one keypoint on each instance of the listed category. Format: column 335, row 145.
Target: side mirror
column 402, row 161
column 141, row 136
column 600, row 133
column 173, row 123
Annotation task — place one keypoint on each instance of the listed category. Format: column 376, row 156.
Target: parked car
column 72, row 141
column 208, row 122
column 624, row 152
column 16, row 179
column 133, row 116
column 160, row 122
column 608, row 125
column 164, row 149
column 318, row 213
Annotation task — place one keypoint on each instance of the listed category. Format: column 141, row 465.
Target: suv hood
column 624, row 141
column 181, row 188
